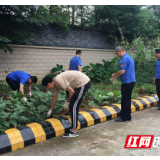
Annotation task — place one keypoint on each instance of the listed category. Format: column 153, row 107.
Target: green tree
column 126, row 21
column 16, row 19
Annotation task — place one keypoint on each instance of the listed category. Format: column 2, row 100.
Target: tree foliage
column 117, row 21
column 16, row 19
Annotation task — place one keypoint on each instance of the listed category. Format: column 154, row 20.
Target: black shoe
column 159, row 108
column 129, row 119
column 119, row 119
column 70, row 134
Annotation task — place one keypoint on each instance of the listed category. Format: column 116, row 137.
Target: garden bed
column 15, row 113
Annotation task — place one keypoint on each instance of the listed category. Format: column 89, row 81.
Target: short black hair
column 47, row 80
column 157, row 51
column 34, row 79
column 78, row 52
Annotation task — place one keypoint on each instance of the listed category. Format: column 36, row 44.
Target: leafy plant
column 100, row 72
column 4, row 90
column 56, row 70
column 14, row 112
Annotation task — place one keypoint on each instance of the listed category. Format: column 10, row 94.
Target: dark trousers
column 14, row 85
column 158, row 89
column 76, row 101
column 126, row 90
column 67, row 94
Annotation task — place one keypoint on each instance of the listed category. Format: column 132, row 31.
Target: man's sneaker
column 70, row 134
column 67, row 114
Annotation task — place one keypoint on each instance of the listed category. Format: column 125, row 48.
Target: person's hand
column 113, row 75
column 66, row 105
column 24, row 99
column 49, row 113
column 154, row 81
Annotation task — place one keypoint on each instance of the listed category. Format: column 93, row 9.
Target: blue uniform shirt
column 127, row 64
column 158, row 69
column 19, row 76
column 74, row 63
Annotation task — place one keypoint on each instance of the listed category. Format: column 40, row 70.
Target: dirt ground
column 104, row 139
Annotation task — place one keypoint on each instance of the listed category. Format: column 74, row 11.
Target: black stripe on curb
column 27, row 135
column 5, row 145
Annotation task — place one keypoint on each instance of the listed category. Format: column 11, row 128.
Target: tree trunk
column 81, row 9
column 73, row 12
column 68, row 13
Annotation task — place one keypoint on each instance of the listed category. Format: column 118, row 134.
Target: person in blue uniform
column 157, row 74
column 127, row 77
column 17, row 79
column 75, row 62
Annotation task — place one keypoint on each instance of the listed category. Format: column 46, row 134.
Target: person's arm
column 123, row 67
column 119, row 73
column 69, row 68
column 55, row 97
column 154, row 81
column 21, row 88
column 79, row 64
column 79, row 68
column 71, row 92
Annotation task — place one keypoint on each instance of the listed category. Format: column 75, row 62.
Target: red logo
column 139, row 141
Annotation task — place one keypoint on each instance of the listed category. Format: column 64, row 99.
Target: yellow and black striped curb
column 16, row 138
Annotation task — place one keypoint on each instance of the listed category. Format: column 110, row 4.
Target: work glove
column 29, row 94
column 49, row 113
column 24, row 99
column 66, row 105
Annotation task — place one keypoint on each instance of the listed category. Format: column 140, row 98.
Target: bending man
column 77, row 84
column 17, row 79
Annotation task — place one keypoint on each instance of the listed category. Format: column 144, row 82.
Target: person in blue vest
column 17, row 79
column 75, row 62
column 127, row 77
column 157, row 74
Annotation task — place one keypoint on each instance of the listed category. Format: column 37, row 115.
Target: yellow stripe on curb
column 88, row 117
column 116, row 104
column 133, row 108
column 153, row 100
column 58, row 127
column 38, row 132
column 15, row 138
column 146, row 101
column 141, row 106
column 69, row 118
column 100, row 113
column 112, row 111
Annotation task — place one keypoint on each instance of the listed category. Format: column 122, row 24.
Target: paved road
column 105, row 139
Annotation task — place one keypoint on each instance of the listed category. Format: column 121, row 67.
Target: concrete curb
column 17, row 138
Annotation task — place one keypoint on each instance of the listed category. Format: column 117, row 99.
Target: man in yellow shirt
column 77, row 84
